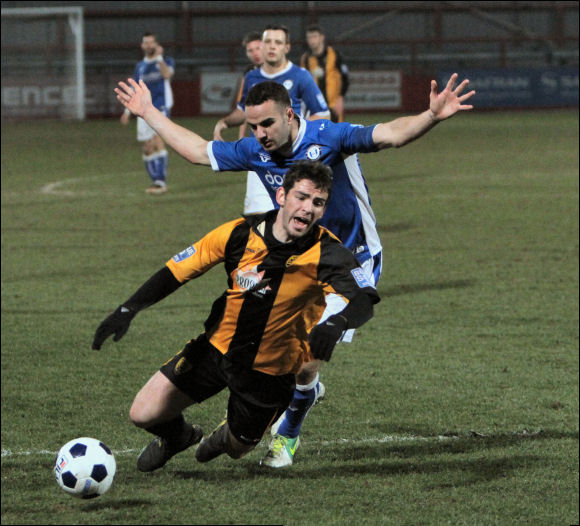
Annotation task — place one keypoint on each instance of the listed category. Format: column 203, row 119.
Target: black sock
column 175, row 431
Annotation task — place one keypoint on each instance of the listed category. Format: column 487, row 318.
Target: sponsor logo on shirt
column 361, row 278
column 184, row 254
column 249, row 279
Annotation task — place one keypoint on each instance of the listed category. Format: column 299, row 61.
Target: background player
column 252, row 44
column 329, row 71
column 304, row 94
column 156, row 71
column 280, row 139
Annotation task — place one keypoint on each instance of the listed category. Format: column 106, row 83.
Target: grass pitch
column 457, row 404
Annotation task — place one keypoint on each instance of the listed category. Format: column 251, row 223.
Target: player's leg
column 257, row 198
column 157, row 408
column 185, row 379
column 154, row 157
column 161, row 160
column 286, row 430
column 309, row 389
column 256, row 400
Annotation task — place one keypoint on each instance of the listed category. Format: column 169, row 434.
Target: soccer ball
column 85, row 468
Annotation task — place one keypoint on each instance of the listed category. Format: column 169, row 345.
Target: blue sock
column 304, row 398
column 151, row 166
column 161, row 161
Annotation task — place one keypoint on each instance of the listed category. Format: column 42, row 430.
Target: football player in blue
column 304, row 93
column 156, row 71
column 282, row 138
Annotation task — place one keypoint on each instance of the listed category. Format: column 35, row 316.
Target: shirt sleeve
column 243, row 92
column 198, row 258
column 230, row 156
column 312, row 96
column 170, row 62
column 355, row 138
column 340, row 273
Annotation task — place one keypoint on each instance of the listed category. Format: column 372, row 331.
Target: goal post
column 43, row 63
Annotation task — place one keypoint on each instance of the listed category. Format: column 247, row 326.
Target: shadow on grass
column 118, row 504
column 394, row 459
column 412, row 288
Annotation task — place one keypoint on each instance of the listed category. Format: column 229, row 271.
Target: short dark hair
column 279, row 27
column 315, row 171
column 149, row 34
column 251, row 37
column 315, row 28
column 268, row 90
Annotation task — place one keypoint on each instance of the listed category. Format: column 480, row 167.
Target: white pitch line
column 54, row 188
column 314, row 443
column 318, row 443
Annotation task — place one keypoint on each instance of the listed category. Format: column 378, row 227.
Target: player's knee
column 236, row 449
column 136, row 416
column 148, row 147
column 308, row 372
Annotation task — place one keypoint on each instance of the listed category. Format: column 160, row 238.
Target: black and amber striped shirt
column 276, row 291
column 328, row 71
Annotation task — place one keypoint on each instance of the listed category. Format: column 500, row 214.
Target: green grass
column 457, row 404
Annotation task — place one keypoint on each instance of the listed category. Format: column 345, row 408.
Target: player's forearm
column 235, row 118
column 156, row 288
column 404, row 130
column 359, row 310
column 165, row 70
column 185, row 142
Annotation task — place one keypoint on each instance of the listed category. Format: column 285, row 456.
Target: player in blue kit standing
column 156, row 71
column 305, row 96
column 282, row 138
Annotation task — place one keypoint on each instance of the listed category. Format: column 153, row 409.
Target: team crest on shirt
column 314, row 152
column 292, row 259
column 184, row 254
column 264, row 157
column 248, row 279
column 288, row 84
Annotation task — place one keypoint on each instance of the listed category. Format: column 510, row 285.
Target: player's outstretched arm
column 136, row 97
column 442, row 105
column 157, row 287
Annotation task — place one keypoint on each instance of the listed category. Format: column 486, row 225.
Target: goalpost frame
column 76, row 23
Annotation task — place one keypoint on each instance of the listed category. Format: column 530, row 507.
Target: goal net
column 43, row 63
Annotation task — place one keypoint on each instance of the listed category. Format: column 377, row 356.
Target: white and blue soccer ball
column 85, row 468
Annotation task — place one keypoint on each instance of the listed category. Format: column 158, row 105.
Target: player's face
column 254, row 52
column 149, row 46
column 315, row 41
column 300, row 208
column 274, row 47
column 271, row 124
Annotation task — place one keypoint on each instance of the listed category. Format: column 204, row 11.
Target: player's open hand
column 135, row 97
column 116, row 324
column 445, row 104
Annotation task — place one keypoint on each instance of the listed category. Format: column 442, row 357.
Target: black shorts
column 256, row 399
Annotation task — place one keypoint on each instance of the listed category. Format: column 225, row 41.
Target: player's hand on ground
column 116, row 323
column 136, row 97
column 324, row 336
column 445, row 104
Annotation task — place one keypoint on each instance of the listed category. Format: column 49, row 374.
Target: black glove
column 323, row 337
column 117, row 324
